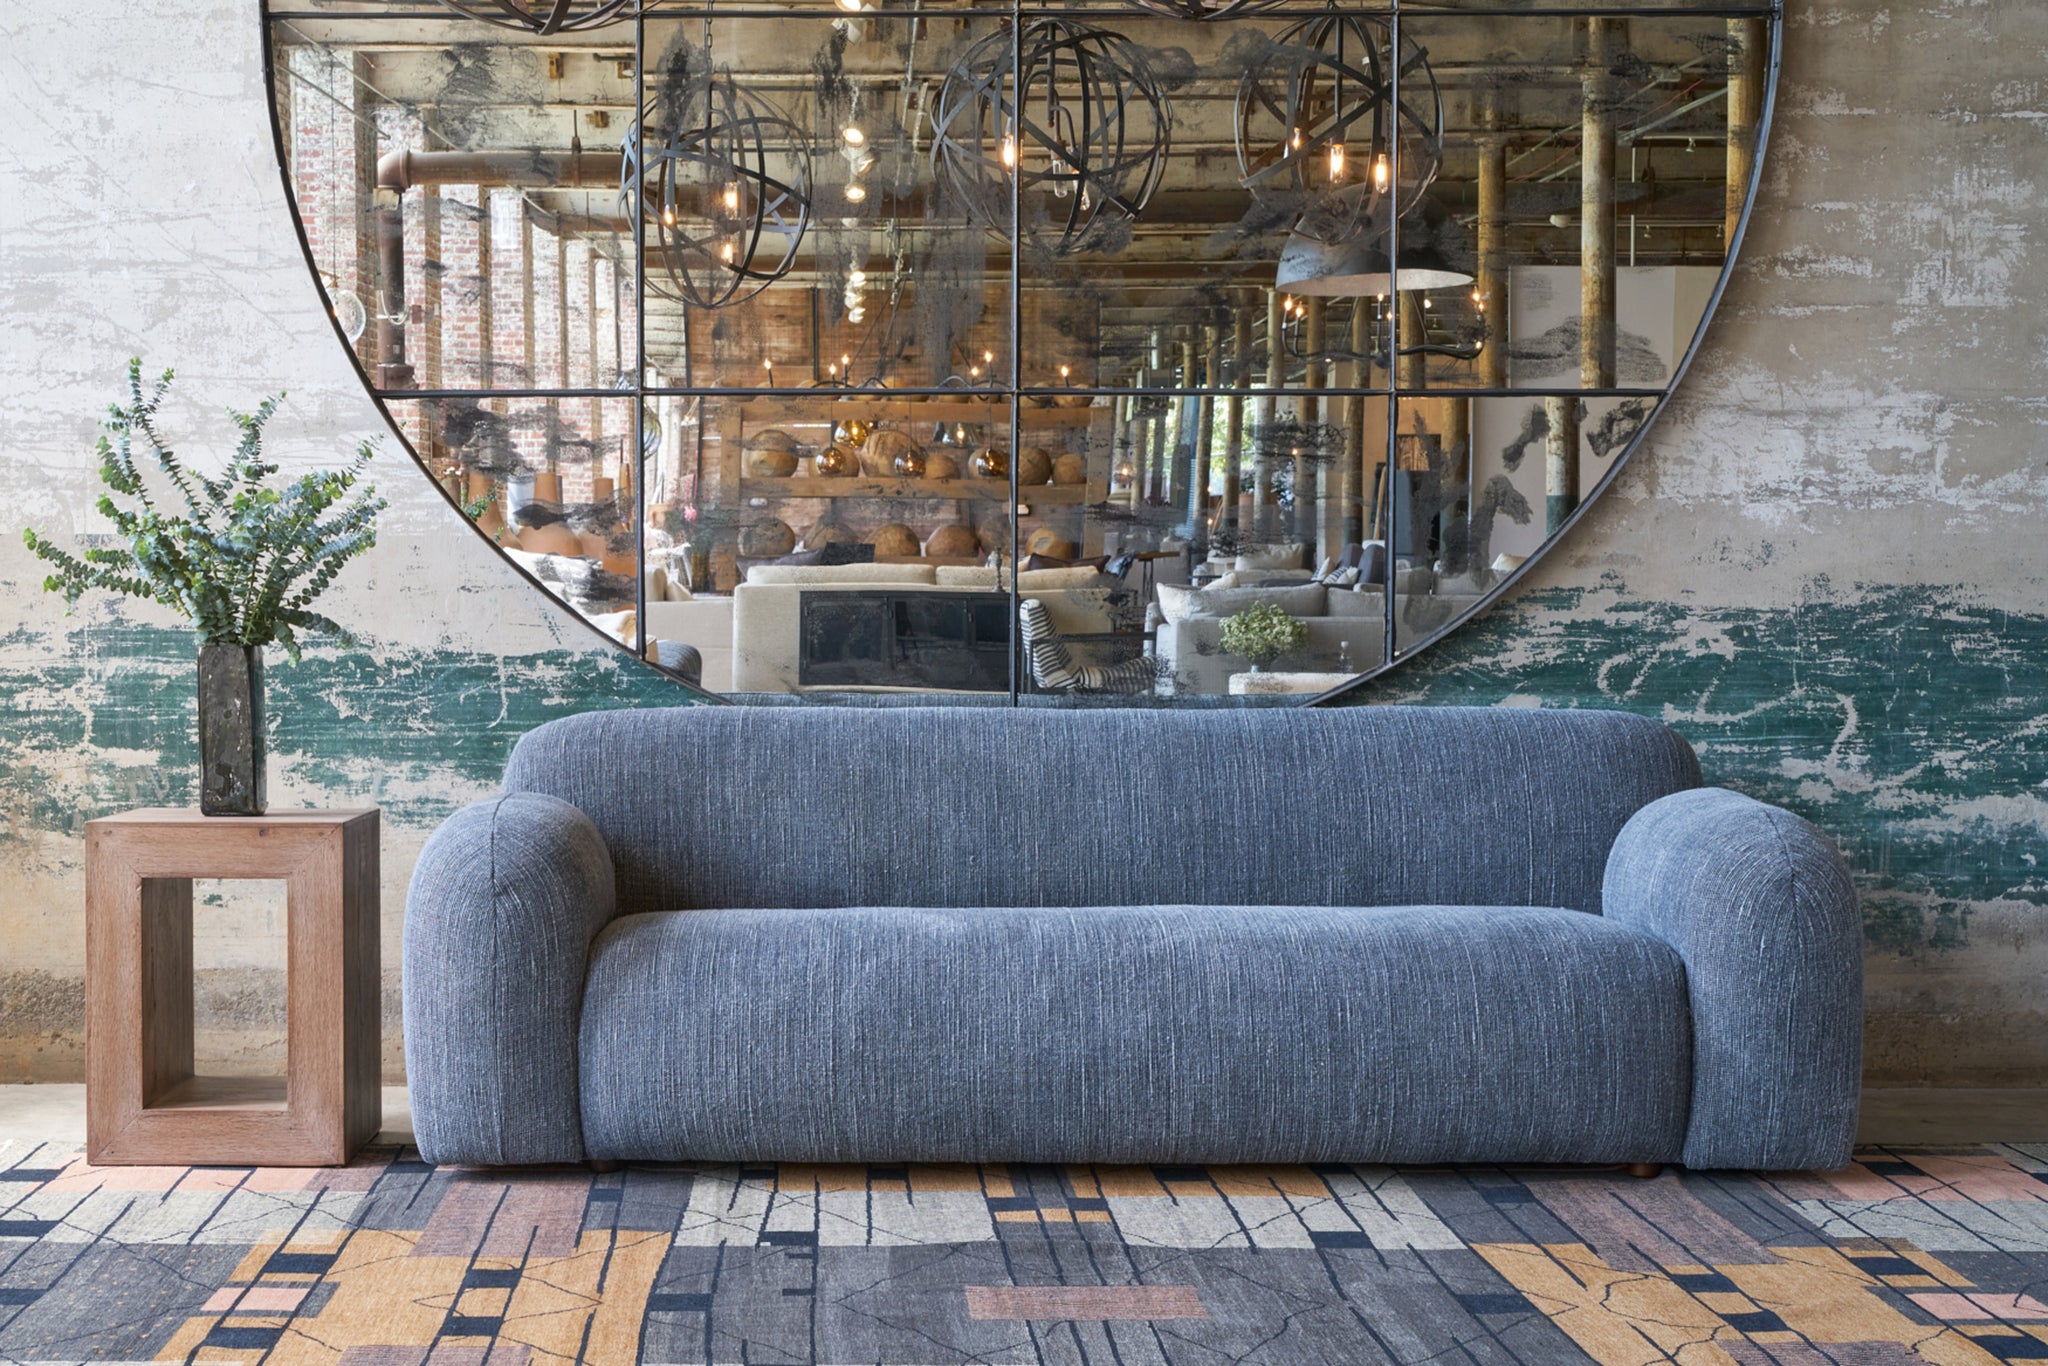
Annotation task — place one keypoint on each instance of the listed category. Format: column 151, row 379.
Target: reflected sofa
column 767, row 610
column 1341, row 622
column 953, row 934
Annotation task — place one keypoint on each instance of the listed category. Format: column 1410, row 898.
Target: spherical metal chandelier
column 1201, row 10
column 1319, row 133
column 726, row 191
column 545, row 16
column 1078, row 124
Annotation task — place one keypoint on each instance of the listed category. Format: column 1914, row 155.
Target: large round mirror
column 838, row 351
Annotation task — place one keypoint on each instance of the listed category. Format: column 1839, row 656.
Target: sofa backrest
column 736, row 806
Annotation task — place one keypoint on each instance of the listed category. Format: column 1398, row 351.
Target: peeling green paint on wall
column 1910, row 727
column 407, row 730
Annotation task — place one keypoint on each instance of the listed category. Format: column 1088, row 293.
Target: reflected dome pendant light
column 1316, row 126
column 726, row 196
column 1081, row 126
column 1201, row 10
column 544, row 17
column 1434, row 255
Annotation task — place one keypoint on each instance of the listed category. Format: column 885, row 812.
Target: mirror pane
column 829, row 541
column 1581, row 221
column 868, row 267
column 551, row 482
column 458, row 187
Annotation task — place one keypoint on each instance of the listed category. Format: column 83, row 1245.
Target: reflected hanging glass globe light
column 1080, row 126
column 544, row 17
column 725, row 193
column 1320, row 136
column 1202, row 10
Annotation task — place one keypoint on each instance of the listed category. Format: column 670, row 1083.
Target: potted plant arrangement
column 244, row 563
column 1261, row 634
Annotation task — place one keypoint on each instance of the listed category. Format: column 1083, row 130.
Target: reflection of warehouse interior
column 742, row 356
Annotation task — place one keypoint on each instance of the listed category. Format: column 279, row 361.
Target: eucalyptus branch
column 249, row 556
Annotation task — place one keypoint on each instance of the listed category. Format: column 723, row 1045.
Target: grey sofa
column 936, row 934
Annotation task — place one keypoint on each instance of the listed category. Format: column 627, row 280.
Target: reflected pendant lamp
column 544, row 17
column 1359, row 266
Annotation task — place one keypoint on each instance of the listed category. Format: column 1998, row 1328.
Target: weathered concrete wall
column 1824, row 567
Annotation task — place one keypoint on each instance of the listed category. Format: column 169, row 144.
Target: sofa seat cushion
column 1134, row 1034
column 1181, row 604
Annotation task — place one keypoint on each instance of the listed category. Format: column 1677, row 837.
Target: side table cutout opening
column 146, row 1103
column 241, row 989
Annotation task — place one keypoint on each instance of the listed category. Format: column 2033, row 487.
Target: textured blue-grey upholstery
column 1359, row 806
column 504, row 902
column 1076, row 935
column 1760, row 906
column 1136, row 1034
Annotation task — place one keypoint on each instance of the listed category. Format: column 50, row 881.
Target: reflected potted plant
column 244, row 563
column 1261, row 634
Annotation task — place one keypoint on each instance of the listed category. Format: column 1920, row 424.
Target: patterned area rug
column 1912, row 1255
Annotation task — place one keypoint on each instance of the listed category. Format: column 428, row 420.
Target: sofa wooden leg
column 603, row 1168
column 1645, row 1170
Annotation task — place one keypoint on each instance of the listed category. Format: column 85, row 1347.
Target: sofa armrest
column 1760, row 906
column 505, row 899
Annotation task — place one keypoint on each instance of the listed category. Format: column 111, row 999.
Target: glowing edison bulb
column 988, row 358
column 1427, row 302
column 1480, row 300
column 732, row 199
column 856, row 278
column 846, row 364
column 769, row 366
column 1009, row 153
column 853, row 135
column 856, row 192
column 1336, row 161
column 725, row 253
column 831, row 370
column 668, row 216
column 1382, row 173
column 974, row 372
column 1294, row 141
column 1063, row 375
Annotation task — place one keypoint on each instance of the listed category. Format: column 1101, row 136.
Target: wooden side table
column 144, row 1104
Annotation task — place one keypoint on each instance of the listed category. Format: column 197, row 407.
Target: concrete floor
column 57, row 1112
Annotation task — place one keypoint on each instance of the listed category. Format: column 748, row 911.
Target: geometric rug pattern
column 1912, row 1255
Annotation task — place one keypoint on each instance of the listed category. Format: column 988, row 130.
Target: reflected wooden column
column 1157, row 483
column 1231, row 524
column 1205, row 430
column 1596, row 270
column 1309, row 459
column 1141, row 449
column 1493, row 257
column 1349, row 520
column 1262, row 464
column 1745, row 115
column 1123, row 448
column 1492, row 284
column 1411, row 373
column 1191, row 440
column 433, row 277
